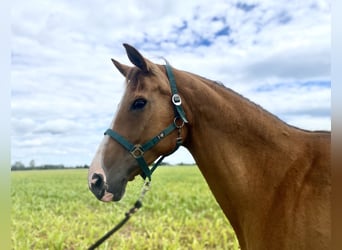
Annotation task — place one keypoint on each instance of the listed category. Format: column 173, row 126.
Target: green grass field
column 53, row 209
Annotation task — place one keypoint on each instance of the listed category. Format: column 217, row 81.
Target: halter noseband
column 138, row 150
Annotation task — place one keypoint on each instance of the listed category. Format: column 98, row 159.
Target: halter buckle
column 176, row 100
column 137, row 151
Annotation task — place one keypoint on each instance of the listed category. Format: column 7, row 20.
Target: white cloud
column 276, row 53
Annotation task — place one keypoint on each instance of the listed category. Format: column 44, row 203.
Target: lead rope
column 128, row 214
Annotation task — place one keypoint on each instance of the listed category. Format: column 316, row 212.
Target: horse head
column 145, row 127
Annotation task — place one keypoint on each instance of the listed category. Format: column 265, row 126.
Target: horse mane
column 219, row 86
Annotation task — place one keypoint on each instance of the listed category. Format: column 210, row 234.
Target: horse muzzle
column 106, row 191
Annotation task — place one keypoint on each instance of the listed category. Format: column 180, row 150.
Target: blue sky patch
column 284, row 17
column 279, row 86
column 245, row 7
column 223, row 32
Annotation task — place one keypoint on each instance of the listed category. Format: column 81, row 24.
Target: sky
column 65, row 89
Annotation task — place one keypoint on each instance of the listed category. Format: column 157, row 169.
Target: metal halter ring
column 179, row 126
column 176, row 100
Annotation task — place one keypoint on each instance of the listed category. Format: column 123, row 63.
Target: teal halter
column 138, row 150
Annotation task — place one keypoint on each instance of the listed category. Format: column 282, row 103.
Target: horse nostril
column 97, row 180
column 97, row 185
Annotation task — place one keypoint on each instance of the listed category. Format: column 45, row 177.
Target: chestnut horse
column 271, row 180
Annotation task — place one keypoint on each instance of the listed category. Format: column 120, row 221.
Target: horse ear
column 136, row 58
column 121, row 67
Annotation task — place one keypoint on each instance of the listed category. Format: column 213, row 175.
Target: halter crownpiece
column 137, row 150
column 176, row 99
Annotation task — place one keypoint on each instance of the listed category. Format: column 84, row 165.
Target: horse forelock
column 133, row 75
column 137, row 79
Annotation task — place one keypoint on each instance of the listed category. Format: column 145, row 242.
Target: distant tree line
column 32, row 166
column 20, row 166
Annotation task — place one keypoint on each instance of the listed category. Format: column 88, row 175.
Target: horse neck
column 241, row 149
column 219, row 117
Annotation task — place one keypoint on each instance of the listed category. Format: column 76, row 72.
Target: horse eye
column 138, row 104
